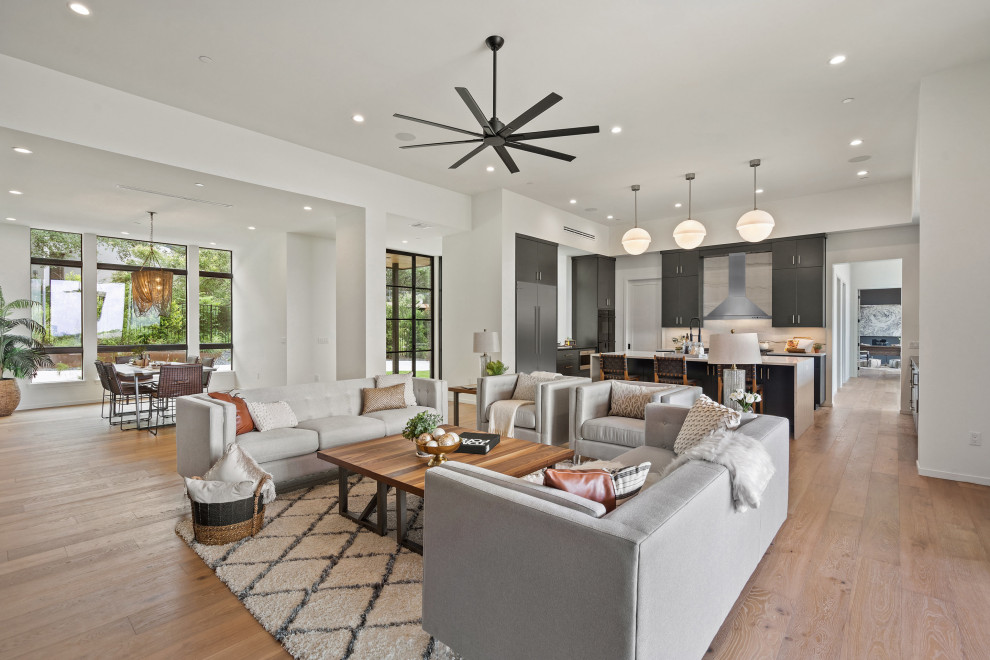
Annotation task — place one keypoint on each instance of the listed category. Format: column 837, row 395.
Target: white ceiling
column 701, row 86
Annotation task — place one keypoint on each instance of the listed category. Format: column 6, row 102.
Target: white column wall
column 953, row 170
column 310, row 296
column 361, row 294
column 192, row 300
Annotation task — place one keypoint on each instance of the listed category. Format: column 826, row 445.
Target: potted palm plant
column 20, row 355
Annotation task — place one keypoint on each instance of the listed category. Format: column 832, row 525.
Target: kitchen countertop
column 779, row 360
column 575, row 348
column 817, row 355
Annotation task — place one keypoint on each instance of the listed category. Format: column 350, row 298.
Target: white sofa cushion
column 395, row 420
column 526, row 416
column 279, row 443
column 387, row 380
column 344, row 429
column 623, row 431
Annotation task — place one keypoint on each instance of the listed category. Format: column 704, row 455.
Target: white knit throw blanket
column 502, row 416
column 747, row 460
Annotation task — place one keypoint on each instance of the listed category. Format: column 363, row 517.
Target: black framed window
column 56, row 287
column 120, row 331
column 216, row 329
column 409, row 327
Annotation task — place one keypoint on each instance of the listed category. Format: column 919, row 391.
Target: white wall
column 849, row 209
column 310, row 298
column 953, row 170
column 842, row 341
column 627, row 269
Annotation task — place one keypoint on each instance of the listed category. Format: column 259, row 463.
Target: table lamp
column 736, row 348
column 486, row 342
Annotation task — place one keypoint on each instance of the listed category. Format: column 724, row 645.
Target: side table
column 458, row 391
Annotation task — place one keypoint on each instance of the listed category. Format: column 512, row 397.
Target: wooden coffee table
column 392, row 462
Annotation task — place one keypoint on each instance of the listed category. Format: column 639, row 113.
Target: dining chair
column 614, row 366
column 751, row 382
column 174, row 380
column 673, row 370
column 122, row 393
column 105, row 383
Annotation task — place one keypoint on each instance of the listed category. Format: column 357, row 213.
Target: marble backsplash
column 776, row 336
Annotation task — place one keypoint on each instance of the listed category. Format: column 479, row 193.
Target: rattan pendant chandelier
column 151, row 287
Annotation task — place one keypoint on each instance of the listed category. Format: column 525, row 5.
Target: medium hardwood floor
column 873, row 561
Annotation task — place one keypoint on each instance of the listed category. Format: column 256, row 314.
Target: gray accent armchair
column 546, row 420
column 594, row 434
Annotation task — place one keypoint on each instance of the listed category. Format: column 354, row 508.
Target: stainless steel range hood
column 737, row 305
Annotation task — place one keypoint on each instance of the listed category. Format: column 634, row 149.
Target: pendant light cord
column 636, row 208
column 690, row 183
column 754, row 188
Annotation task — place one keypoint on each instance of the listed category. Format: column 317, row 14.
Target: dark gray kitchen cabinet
column 536, row 260
column 680, row 301
column 799, row 297
column 536, row 327
column 606, row 283
column 592, row 291
column 799, row 253
column 680, row 264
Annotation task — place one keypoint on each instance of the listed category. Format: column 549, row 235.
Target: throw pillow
column 215, row 492
column 376, row 399
column 628, row 480
column 526, row 384
column 704, row 417
column 388, row 380
column 244, row 422
column 237, row 465
column 272, row 415
column 594, row 485
column 630, row 400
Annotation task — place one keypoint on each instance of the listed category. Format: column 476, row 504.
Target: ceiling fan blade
column 540, row 150
column 437, row 144
column 542, row 106
column 471, row 155
column 475, row 110
column 506, row 158
column 433, row 123
column 557, row 132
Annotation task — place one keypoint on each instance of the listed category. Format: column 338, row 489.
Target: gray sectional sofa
column 329, row 415
column 596, row 434
column 510, row 572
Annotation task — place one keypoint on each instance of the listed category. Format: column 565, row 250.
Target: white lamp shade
column 636, row 240
column 486, row 342
column 755, row 225
column 689, row 234
column 736, row 348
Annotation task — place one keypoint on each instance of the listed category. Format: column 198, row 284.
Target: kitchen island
column 788, row 382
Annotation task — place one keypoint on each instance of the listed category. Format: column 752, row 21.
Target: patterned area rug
column 324, row 586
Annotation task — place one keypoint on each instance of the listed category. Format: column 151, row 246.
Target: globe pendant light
column 637, row 239
column 151, row 286
column 755, row 225
column 689, row 233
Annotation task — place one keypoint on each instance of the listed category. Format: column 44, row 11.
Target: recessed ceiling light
column 863, row 173
column 573, row 201
column 12, row 219
column 307, row 208
column 609, row 217
column 590, row 209
column 489, row 169
column 405, row 137
column 200, row 185
column 251, row 228
column 23, row 150
column 837, row 59
column 848, row 99
column 15, row 192
column 79, row 8
column 206, row 59
column 358, row 118
column 860, row 159
column 678, row 205
column 212, row 243
column 616, row 129
column 126, row 233
column 405, row 241
column 759, row 191
column 855, row 143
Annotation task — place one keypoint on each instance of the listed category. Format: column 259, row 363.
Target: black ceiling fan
column 494, row 133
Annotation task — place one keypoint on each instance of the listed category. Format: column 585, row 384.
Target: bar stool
column 671, row 370
column 614, row 366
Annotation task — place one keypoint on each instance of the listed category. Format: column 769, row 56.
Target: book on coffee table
column 476, row 442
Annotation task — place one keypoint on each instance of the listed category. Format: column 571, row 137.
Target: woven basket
column 226, row 522
column 10, row 396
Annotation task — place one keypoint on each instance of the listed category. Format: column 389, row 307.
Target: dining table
column 137, row 372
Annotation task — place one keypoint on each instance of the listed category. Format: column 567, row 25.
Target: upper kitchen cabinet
column 680, row 264
column 592, row 291
column 536, row 260
column 606, row 283
column 799, row 297
column 799, row 253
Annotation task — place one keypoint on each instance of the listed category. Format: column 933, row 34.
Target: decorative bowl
column 437, row 452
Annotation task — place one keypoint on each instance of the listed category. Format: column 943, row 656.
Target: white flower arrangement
column 745, row 399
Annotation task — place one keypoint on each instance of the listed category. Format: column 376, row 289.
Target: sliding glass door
column 409, row 313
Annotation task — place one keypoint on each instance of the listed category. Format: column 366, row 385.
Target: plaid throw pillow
column 627, row 480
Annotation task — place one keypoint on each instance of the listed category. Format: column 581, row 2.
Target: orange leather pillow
column 596, row 485
column 244, row 422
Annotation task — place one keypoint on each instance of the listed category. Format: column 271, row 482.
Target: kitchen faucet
column 691, row 329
